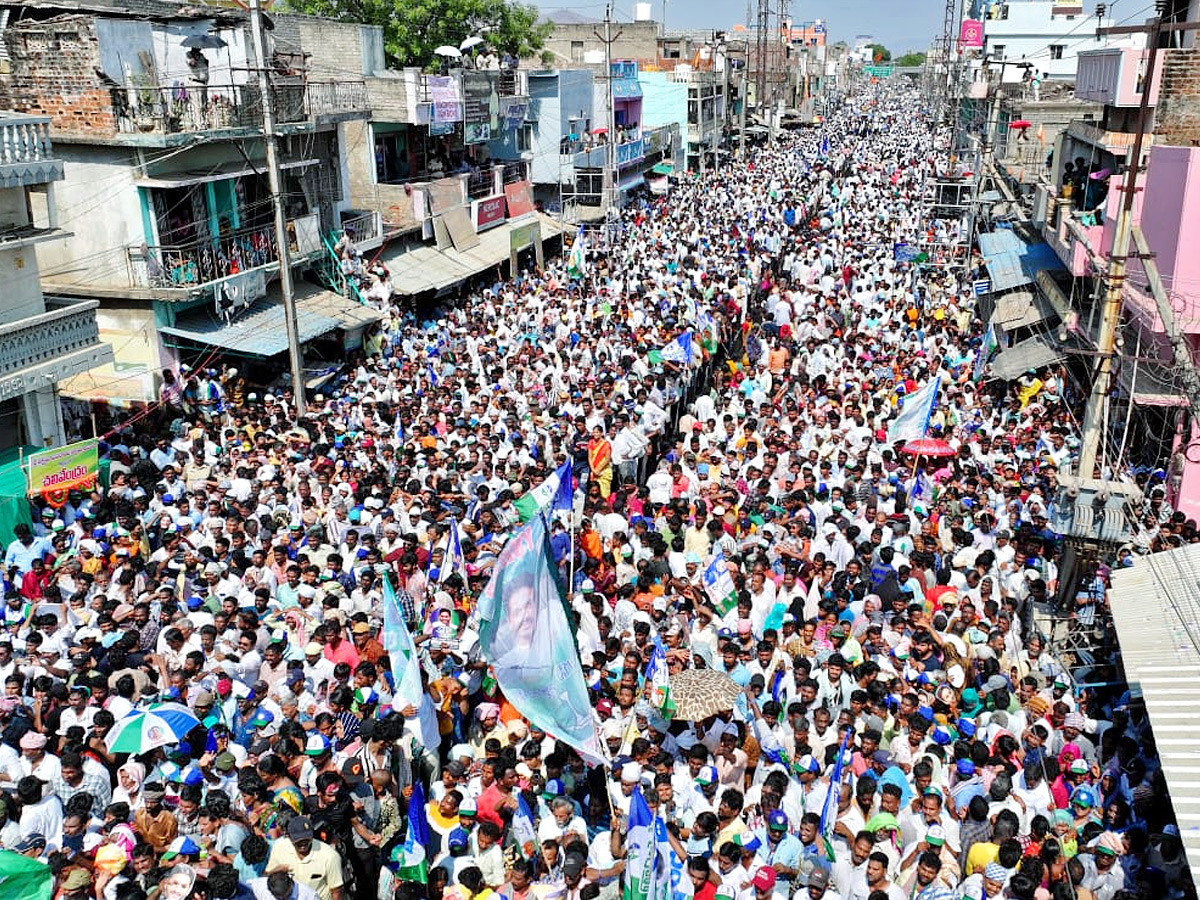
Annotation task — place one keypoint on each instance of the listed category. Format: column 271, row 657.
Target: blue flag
column 413, row 866
column 912, row 421
column 679, row 350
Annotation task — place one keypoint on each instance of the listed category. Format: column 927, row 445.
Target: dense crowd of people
column 721, row 370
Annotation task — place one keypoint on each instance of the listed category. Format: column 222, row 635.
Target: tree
column 880, row 53
column 911, row 59
column 412, row 29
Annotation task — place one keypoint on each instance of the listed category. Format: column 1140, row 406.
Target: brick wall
column 53, row 72
column 1177, row 117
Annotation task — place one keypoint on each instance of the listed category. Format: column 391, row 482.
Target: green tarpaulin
column 14, row 505
column 663, row 169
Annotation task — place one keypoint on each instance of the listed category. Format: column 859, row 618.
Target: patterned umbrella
column 928, row 447
column 700, row 693
column 145, row 729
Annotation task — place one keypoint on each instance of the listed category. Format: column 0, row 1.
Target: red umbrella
column 1020, row 123
column 934, row 447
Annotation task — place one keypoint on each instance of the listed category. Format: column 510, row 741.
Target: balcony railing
column 26, row 155
column 196, row 263
column 25, row 139
column 363, row 227
column 179, row 108
column 46, row 337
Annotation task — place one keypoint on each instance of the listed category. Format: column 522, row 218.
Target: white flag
column 913, row 419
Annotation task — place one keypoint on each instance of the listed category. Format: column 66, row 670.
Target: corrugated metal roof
column 1011, row 263
column 1028, row 354
column 426, row 268
column 262, row 330
column 1156, row 610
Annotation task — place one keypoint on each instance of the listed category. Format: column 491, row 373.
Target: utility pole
column 274, row 182
column 610, row 157
column 1092, row 510
column 1110, row 318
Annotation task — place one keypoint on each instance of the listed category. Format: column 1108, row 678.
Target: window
column 1056, row 51
column 525, row 139
column 577, row 51
column 997, row 51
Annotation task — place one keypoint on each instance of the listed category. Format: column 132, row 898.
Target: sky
column 900, row 26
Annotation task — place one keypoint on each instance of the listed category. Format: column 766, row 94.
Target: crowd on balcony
column 768, row 516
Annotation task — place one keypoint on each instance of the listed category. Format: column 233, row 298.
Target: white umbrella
column 447, row 50
column 470, row 42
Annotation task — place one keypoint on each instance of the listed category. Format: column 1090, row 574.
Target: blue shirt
column 23, row 556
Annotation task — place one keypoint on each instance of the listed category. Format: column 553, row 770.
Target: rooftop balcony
column 195, row 264
column 188, row 110
column 26, row 154
column 1114, row 76
column 49, row 347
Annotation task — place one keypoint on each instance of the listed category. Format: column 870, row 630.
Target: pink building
column 1081, row 228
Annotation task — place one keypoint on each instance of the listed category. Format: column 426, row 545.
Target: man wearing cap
column 309, row 861
column 780, row 849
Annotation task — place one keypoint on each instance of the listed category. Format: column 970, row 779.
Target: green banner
column 65, row 468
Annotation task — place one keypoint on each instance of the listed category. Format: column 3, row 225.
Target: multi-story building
column 1080, row 225
column 42, row 342
column 157, row 114
column 1047, row 34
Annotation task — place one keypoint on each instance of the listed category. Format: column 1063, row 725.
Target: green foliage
column 880, row 53
column 412, row 29
column 910, row 59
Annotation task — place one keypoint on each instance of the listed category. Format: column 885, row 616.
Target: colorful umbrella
column 1020, row 123
column 928, row 447
column 145, row 729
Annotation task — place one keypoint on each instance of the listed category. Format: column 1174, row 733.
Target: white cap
column 631, row 773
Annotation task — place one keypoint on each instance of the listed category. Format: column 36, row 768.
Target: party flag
column 576, row 260
column 25, row 878
column 525, row 633
column 453, row 560
column 648, row 872
column 406, row 665
column 913, row 419
column 555, row 492
column 411, row 855
column 719, row 585
column 659, row 677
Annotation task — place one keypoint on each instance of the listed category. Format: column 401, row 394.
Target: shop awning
column 262, row 330
column 1156, row 611
column 1011, row 263
column 1020, row 309
column 121, row 388
column 663, row 169
column 216, row 173
column 1033, row 353
column 426, row 268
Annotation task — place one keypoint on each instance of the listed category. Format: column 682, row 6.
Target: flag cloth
column 576, row 261
column 453, row 560
column 411, row 854
column 679, row 350
column 659, row 677
column 719, row 586
column 406, row 666
column 555, row 492
column 986, row 349
column 647, row 872
column 774, row 620
column 522, row 828
column 527, row 637
column 912, row 420
column 825, row 829
column 24, row 878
